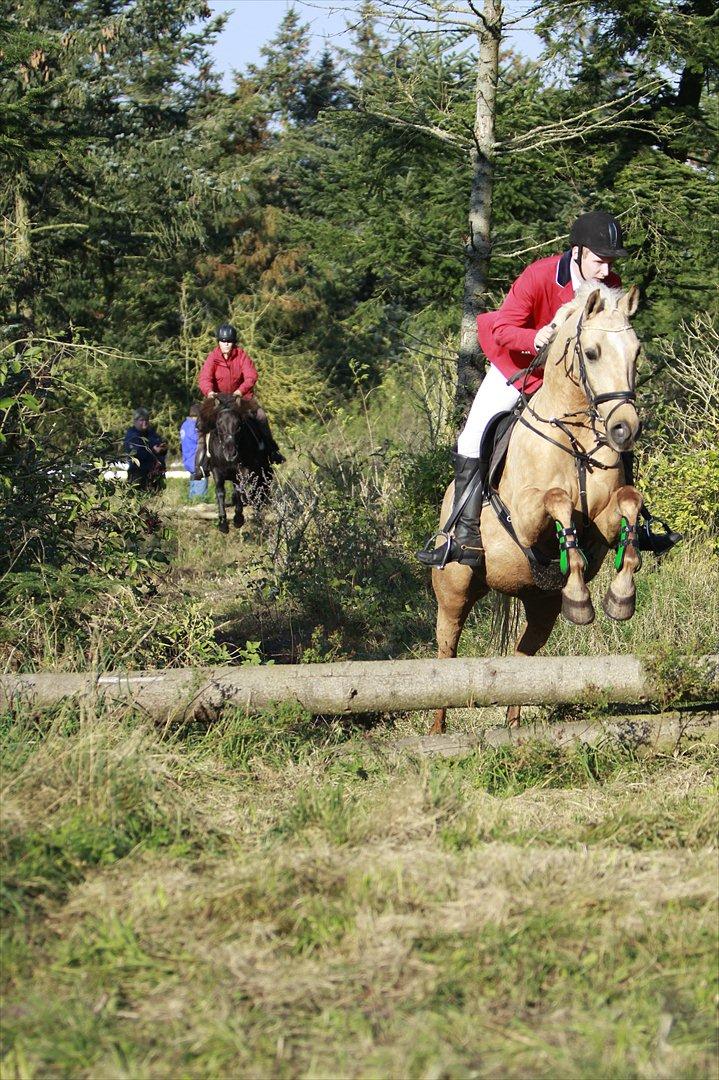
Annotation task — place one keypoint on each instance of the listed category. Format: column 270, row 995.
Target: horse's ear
column 630, row 301
column 594, row 304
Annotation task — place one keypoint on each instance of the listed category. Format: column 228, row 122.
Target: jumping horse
column 562, row 500
column 237, row 453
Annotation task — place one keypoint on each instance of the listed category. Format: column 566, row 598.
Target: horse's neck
column 560, row 396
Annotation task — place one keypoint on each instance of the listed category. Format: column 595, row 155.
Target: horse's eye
column 591, row 354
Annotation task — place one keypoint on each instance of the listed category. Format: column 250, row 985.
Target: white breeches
column 493, row 397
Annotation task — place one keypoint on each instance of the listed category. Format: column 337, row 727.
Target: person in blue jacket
column 188, row 445
column 146, row 450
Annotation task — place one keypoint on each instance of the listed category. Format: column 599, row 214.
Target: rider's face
column 142, row 424
column 593, row 267
column 225, row 347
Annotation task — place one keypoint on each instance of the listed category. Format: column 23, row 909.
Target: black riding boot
column 273, row 449
column 648, row 540
column 465, row 546
column 201, row 462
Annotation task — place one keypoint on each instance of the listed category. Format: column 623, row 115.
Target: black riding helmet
column 227, row 332
column 601, row 233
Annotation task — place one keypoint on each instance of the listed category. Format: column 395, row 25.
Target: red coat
column 237, row 372
column 507, row 336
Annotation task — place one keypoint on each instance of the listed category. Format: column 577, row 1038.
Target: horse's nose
column 621, row 435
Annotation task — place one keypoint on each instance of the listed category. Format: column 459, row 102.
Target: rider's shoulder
column 541, row 270
column 545, row 264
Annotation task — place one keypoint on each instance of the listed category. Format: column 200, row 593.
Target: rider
column 229, row 370
column 511, row 337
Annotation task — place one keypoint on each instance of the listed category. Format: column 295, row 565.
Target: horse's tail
column 505, row 621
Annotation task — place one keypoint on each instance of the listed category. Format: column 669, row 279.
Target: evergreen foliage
column 320, row 204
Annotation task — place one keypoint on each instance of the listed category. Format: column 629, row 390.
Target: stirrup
column 430, row 548
column 658, row 543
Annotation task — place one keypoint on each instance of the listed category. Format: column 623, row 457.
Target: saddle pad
column 496, row 440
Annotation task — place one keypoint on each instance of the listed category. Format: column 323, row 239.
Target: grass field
column 286, row 896
column 279, row 896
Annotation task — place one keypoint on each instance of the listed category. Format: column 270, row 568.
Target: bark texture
column 477, row 248
column 356, row 686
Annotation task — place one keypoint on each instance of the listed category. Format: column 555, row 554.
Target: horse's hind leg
column 541, row 611
column 576, row 601
column 457, row 589
column 239, row 519
column 620, row 599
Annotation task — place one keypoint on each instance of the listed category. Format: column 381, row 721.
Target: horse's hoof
column 237, row 524
column 223, row 526
column 619, row 608
column 579, row 612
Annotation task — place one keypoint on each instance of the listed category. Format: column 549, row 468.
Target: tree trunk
column 22, row 259
column 359, row 686
column 477, row 249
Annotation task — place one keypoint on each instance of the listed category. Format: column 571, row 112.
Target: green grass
column 278, row 896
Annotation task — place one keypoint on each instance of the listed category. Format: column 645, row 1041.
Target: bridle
column 577, row 418
column 620, row 396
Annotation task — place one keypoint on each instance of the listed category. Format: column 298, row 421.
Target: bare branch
column 424, row 129
column 602, row 116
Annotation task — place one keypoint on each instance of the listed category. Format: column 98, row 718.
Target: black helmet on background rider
column 227, row 332
column 601, row 233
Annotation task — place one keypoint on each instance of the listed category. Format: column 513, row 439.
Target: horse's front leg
column 532, row 511
column 618, row 522
column 576, row 601
column 221, row 511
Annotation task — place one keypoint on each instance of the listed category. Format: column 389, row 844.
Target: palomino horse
column 236, row 453
column 563, row 486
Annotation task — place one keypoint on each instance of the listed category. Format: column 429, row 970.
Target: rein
column 541, row 564
column 585, row 460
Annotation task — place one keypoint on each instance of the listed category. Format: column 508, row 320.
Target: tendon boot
column 465, row 546
column 201, row 462
column 660, row 541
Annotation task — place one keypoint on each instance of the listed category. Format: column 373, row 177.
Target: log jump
column 360, row 686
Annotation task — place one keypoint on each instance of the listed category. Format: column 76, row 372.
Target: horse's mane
column 610, row 296
column 211, row 406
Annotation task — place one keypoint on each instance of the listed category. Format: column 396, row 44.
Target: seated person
column 147, row 452
column 229, row 370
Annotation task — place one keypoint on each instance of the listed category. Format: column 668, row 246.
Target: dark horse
column 238, row 453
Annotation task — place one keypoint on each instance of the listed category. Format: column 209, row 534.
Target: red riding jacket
column 237, row 372
column 507, row 336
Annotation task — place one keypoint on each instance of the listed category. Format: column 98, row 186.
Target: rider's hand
column 545, row 335
column 212, row 394
column 237, row 393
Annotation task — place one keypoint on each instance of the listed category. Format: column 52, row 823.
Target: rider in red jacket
column 229, row 370
column 511, row 337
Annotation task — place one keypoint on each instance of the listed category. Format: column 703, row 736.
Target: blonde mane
column 573, row 306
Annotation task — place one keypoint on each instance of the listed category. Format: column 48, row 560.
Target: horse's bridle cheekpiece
column 586, row 461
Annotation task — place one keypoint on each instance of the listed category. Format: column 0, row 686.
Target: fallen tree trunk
column 640, row 733
column 362, row 686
